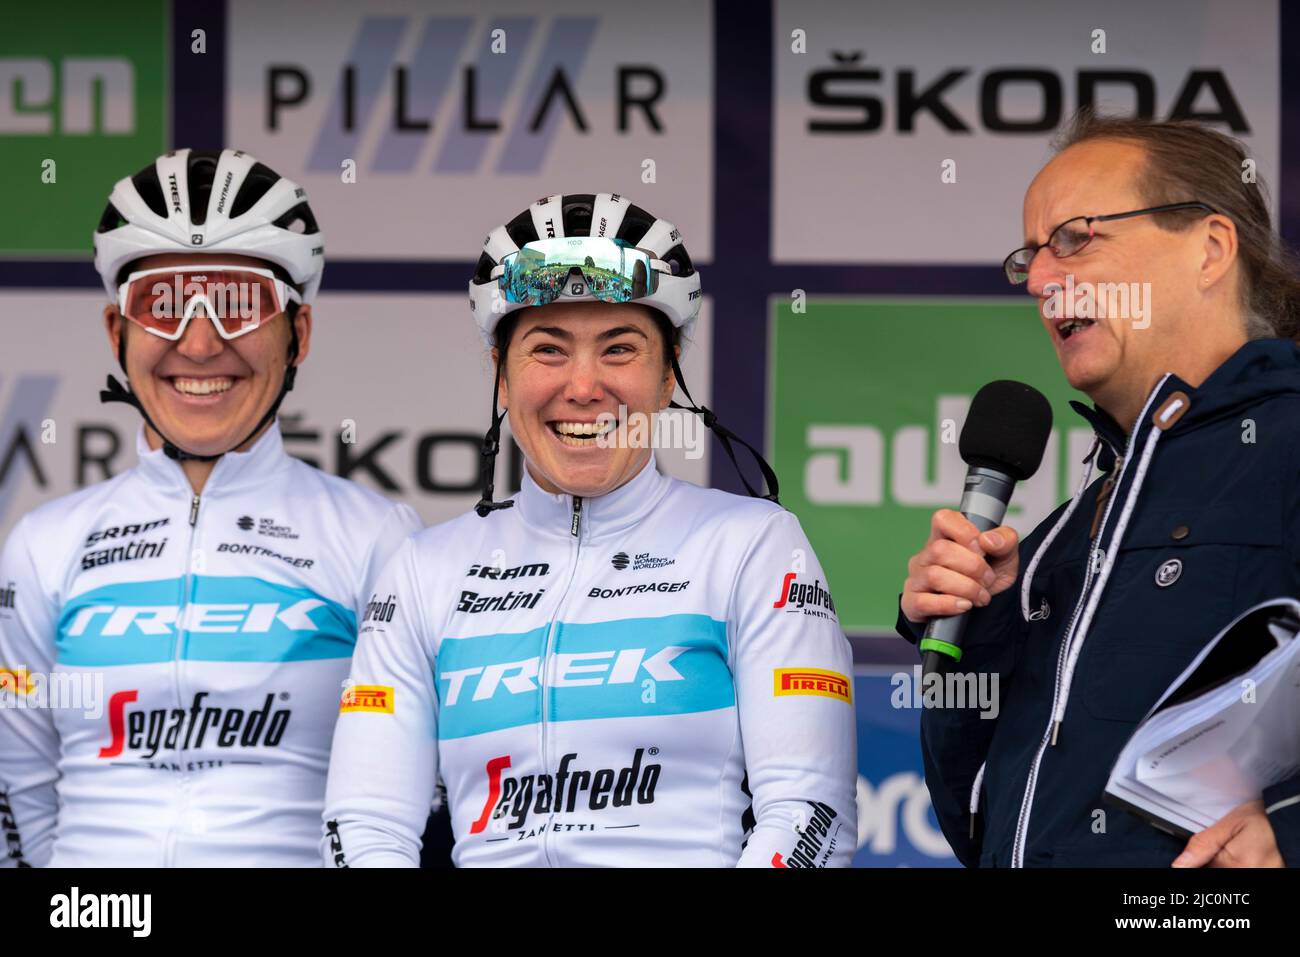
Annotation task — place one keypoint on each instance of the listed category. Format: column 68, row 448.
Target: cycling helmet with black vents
column 590, row 246
column 195, row 201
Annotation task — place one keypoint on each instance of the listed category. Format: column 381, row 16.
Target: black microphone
column 1002, row 442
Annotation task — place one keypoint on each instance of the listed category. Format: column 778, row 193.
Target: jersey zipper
column 1026, row 803
column 181, row 638
column 575, row 533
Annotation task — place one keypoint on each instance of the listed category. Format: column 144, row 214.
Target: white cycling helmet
column 192, row 201
column 677, row 295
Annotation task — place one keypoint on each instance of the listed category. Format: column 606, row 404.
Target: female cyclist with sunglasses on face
column 206, row 600
column 613, row 667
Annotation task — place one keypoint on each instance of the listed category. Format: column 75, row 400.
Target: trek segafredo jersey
column 172, row 664
column 652, row 677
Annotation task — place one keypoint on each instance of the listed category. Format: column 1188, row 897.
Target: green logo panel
column 868, row 399
column 83, row 102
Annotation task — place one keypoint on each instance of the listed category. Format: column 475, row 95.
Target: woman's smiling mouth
column 205, row 390
column 582, row 434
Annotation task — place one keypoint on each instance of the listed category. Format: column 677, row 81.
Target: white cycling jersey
column 172, row 664
column 601, row 681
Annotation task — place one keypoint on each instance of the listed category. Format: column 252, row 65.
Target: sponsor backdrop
column 827, row 162
column 867, row 120
column 896, row 825
column 84, row 98
column 446, row 130
column 868, row 447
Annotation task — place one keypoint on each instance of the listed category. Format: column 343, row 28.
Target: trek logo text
column 217, row 619
column 580, row 669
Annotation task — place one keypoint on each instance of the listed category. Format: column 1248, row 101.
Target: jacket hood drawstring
column 1090, row 596
column 1172, row 409
column 1028, row 581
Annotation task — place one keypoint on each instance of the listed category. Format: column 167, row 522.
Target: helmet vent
column 483, row 269
column 521, row 229
column 298, row 220
column 255, row 185
column 576, row 210
column 636, row 223
column 679, row 260
column 111, row 219
column 150, row 190
column 201, row 171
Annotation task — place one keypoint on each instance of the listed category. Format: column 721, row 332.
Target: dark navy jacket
column 1221, row 493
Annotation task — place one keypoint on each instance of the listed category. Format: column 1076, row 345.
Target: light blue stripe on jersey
column 628, row 668
column 225, row 619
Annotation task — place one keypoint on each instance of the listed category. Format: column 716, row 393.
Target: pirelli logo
column 812, row 681
column 377, row 698
column 16, row 681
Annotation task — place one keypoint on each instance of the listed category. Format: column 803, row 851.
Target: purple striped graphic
column 565, row 48
column 28, row 407
column 462, row 150
column 371, row 57
column 427, row 81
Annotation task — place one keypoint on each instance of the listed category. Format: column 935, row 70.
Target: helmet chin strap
column 491, row 446
column 116, row 392
column 725, row 436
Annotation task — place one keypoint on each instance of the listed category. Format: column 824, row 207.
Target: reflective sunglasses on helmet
column 609, row 270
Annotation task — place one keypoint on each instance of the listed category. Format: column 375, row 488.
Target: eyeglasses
column 238, row 299
column 1074, row 234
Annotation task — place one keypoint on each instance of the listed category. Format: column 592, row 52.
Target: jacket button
column 1180, row 532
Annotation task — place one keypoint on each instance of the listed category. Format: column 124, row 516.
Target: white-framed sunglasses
column 238, row 299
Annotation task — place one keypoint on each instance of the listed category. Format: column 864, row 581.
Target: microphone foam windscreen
column 1007, row 429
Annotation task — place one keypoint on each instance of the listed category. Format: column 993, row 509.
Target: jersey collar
column 234, row 470
column 602, row 515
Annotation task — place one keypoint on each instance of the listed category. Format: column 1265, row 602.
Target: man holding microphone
column 1196, row 518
